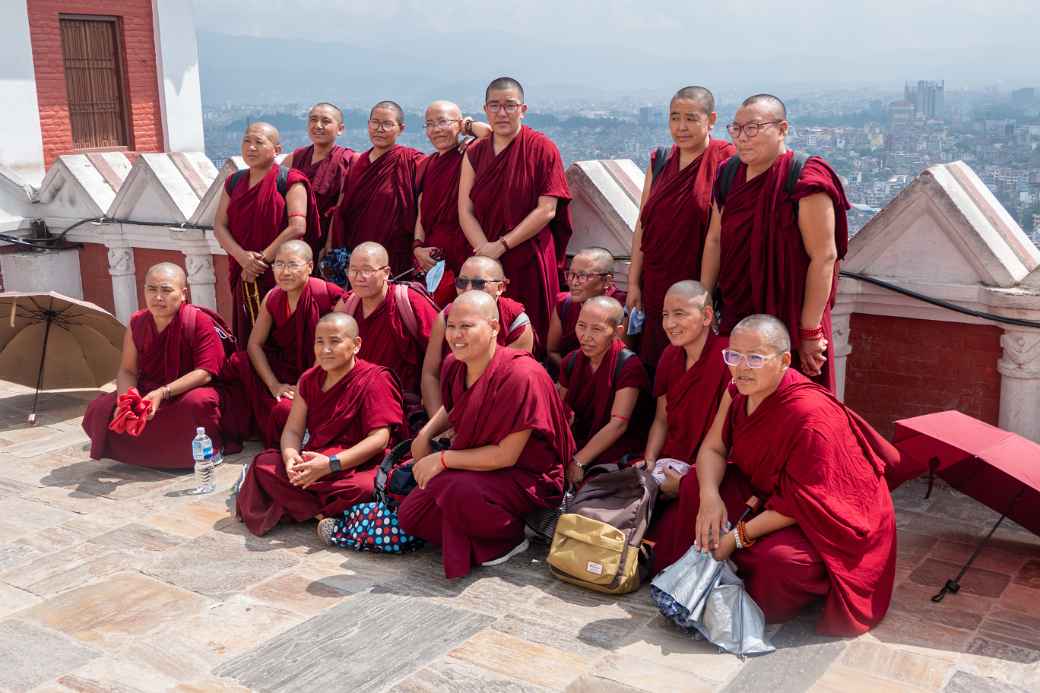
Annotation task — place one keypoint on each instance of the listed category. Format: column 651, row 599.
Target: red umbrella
column 995, row 467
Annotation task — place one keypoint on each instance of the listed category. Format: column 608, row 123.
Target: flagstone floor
column 113, row 578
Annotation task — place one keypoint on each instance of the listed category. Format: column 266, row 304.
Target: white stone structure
column 21, row 140
column 177, row 61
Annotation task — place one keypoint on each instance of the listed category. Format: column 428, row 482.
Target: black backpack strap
column 568, row 363
column 726, row 177
column 236, row 177
column 658, row 161
column 623, row 356
column 795, row 172
column 283, row 181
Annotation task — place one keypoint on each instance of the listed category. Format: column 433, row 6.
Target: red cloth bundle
column 131, row 413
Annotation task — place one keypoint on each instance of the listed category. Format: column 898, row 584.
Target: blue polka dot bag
column 373, row 527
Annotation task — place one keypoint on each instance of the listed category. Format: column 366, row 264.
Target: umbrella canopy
column 995, row 467
column 83, row 341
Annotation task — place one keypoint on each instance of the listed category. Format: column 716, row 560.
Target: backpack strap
column 282, row 181
column 350, row 305
column 236, row 178
column 623, row 356
column 725, row 181
column 568, row 363
column 795, row 172
column 321, row 295
column 658, row 160
column 406, row 310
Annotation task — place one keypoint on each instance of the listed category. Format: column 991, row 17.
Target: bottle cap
column 200, row 431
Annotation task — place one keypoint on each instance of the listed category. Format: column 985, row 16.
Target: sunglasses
column 463, row 283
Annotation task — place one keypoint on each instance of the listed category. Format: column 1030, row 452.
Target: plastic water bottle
column 202, row 453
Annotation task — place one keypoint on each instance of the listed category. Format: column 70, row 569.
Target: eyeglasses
column 441, row 124
column 463, row 283
column 508, row 107
column 735, row 358
column 292, row 266
column 582, row 277
column 382, row 124
column 355, row 273
column 749, row 129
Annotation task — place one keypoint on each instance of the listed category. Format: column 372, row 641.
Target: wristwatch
column 334, row 464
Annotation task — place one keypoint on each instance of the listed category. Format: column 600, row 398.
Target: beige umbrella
column 50, row 341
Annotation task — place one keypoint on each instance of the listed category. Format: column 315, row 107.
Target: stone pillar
column 202, row 280
column 1020, row 382
column 839, row 349
column 124, row 282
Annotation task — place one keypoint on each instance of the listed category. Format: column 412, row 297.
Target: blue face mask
column 434, row 276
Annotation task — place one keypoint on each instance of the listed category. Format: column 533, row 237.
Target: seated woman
column 352, row 411
column 825, row 527
column 606, row 388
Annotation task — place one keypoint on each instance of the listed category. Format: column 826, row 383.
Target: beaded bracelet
column 736, row 538
column 814, row 333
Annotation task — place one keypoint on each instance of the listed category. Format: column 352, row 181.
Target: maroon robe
column 439, row 208
column 162, row 357
column 811, row 458
column 386, row 341
column 590, row 395
column 505, row 190
column 477, row 516
column 763, row 260
column 365, row 399
column 692, row 395
column 255, row 217
column 326, row 177
column 379, row 204
column 675, row 223
column 567, row 312
column 289, row 350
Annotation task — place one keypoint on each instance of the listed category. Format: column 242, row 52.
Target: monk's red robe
column 255, row 217
column 365, row 399
column 811, row 458
column 590, row 395
column 478, row 516
column 379, row 204
column 289, row 350
column 567, row 312
column 763, row 259
column 505, row 190
column 675, row 223
column 162, row 357
column 439, row 208
column 326, row 177
column 692, row 395
column 386, row 341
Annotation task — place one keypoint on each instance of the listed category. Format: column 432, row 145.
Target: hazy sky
column 614, row 45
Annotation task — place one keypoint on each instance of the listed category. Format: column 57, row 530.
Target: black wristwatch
column 334, row 464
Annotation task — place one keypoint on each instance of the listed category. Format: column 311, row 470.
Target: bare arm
column 489, row 457
column 535, row 221
column 525, row 342
column 553, row 339
column 467, row 220
column 258, row 357
column 431, row 368
column 635, row 268
column 126, row 377
column 371, row 445
column 295, row 204
column 658, row 432
column 816, row 223
column 292, row 434
column 711, row 467
column 620, row 413
column 712, row 258
column 438, row 423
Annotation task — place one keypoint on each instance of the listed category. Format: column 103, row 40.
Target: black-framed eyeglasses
column 292, row 265
column 464, row 283
column 382, row 124
column 366, row 272
column 441, row 124
column 582, row 277
column 508, row 107
column 749, row 129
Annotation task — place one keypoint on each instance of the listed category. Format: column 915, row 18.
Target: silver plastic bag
column 705, row 597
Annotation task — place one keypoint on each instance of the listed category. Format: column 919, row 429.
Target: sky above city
column 610, row 46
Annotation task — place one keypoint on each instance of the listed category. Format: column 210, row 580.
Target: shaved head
column 168, row 270
column 480, row 302
column 487, row 267
column 503, row 83
column 704, row 98
column 613, row 311
column 269, row 131
column 297, row 248
column 767, row 328
column 773, row 103
column 331, row 106
column 392, row 106
column 601, row 258
column 690, row 289
column 341, row 321
column 373, row 251
column 448, row 107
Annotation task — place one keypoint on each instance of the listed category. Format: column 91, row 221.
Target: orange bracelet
column 290, row 215
column 443, row 463
column 619, row 417
column 745, row 538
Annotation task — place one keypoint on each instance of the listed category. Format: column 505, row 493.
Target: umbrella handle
column 39, row 375
column 933, row 466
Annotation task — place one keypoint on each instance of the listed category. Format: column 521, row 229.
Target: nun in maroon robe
column 439, row 208
column 189, row 342
column 366, row 399
column 380, row 204
column 763, row 262
column 808, row 457
column 256, row 216
column 326, row 177
column 289, row 350
column 477, row 516
column 506, row 188
column 567, row 312
column 590, row 395
column 674, row 223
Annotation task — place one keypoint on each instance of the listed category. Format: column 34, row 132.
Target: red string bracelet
column 302, row 215
column 443, row 463
column 618, row 416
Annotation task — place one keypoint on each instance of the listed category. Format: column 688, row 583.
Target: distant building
column 927, row 98
column 1024, row 97
column 900, row 114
